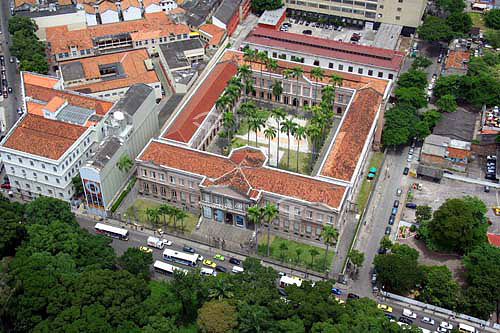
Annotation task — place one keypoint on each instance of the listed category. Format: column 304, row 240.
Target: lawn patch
column 289, row 256
column 303, row 162
column 137, row 212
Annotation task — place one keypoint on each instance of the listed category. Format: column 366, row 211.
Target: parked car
column 398, row 192
column 145, row 249
column 428, row 320
column 219, row 257
column 235, row 261
column 406, row 170
column 391, row 219
column 307, row 32
column 486, row 188
column 221, row 269
column 446, row 325
column 390, row 317
column 388, row 230
column 394, row 211
column 396, row 204
column 209, row 263
column 188, row 249
column 385, row 307
column 352, row 296
column 5, row 186
column 405, row 320
column 410, row 158
column 9, row 90
column 336, row 291
column 411, row 205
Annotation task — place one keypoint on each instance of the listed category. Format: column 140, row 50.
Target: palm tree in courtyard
column 222, row 102
column 272, row 66
column 314, row 132
column 288, row 126
column 153, row 216
column 180, row 216
column 278, row 115
column 228, row 123
column 336, row 80
column 299, row 133
column 234, row 93
column 298, row 252
column 262, row 58
column 221, row 290
column 317, row 74
column 277, row 90
column 249, row 55
column 270, row 134
column 313, row 252
column 287, row 74
column 255, row 215
column 270, row 214
column 298, row 72
column 165, row 210
column 327, row 96
column 256, row 122
column 245, row 73
column 125, row 163
column 283, row 249
column 329, row 235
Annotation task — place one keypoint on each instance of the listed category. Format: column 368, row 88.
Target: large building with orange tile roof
column 153, row 30
column 62, row 131
column 131, row 10
column 212, row 35
column 177, row 168
column 109, row 76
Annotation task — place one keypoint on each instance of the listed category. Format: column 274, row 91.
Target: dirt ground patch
column 405, row 43
column 431, row 258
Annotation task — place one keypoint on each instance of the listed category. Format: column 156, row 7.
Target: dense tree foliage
column 447, row 103
column 12, row 229
column 458, row 225
column 435, row 29
column 492, row 18
column 438, row 287
column 451, row 6
column 259, row 6
column 26, row 46
column 136, row 262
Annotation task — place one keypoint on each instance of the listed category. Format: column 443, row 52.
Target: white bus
column 180, row 257
column 467, row 328
column 164, row 268
column 112, row 232
column 287, row 281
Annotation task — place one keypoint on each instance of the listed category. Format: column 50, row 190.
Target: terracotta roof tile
column 54, row 104
column 248, row 180
column 458, row 153
column 105, row 6
column 88, row 9
column 201, row 103
column 43, row 137
column 214, row 31
column 248, row 157
column 125, row 4
column 346, row 150
column 64, row 2
column 147, row 3
column 46, row 94
column 328, row 48
column 177, row 10
column 61, row 39
column 134, row 69
column 493, row 239
column 22, row 2
column 457, row 60
column 39, row 80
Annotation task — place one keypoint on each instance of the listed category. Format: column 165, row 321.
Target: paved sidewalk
column 471, row 180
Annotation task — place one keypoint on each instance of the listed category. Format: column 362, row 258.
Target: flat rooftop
column 174, row 52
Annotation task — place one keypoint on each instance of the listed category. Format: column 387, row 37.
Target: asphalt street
column 12, row 102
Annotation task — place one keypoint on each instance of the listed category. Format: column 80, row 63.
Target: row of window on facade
column 73, row 171
column 162, row 190
column 39, row 190
column 172, row 180
column 331, row 65
column 54, row 168
column 293, row 88
column 161, row 40
column 73, row 54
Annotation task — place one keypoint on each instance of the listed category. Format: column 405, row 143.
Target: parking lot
column 434, row 194
column 385, row 37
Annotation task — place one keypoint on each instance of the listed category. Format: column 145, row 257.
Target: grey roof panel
column 133, row 99
column 105, row 152
column 72, row 71
column 226, row 10
column 74, row 115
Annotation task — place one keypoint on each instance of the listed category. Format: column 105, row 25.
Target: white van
column 237, row 269
column 409, row 314
column 155, row 242
column 208, row 271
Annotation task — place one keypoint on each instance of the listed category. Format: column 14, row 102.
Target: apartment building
column 131, row 10
column 230, row 13
column 110, row 76
column 175, row 168
column 153, row 30
column 52, row 140
column 328, row 54
column 108, row 12
column 406, row 13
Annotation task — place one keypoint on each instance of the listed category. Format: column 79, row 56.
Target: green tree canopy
column 493, row 38
column 435, row 29
column 412, row 96
column 12, row 230
column 22, row 24
column 413, row 78
column 492, row 18
column 259, row 6
column 217, row 317
column 451, row 6
column 458, row 225
column 460, row 23
column 423, row 213
column 448, row 85
column 447, row 103
column 421, row 62
column 439, row 288
column 136, row 262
